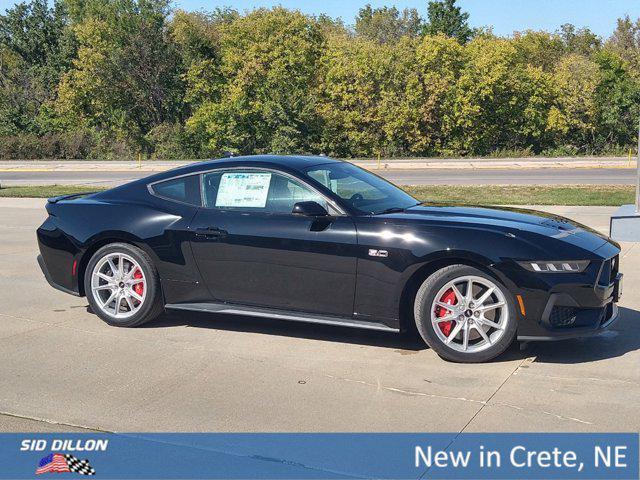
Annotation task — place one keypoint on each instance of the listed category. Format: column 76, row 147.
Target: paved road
column 512, row 176
column 549, row 176
column 62, row 368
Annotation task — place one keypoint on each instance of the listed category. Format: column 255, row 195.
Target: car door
column 251, row 250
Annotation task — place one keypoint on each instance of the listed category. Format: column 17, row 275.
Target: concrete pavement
column 63, row 368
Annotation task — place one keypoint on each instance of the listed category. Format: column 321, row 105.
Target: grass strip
column 45, row 191
column 587, row 195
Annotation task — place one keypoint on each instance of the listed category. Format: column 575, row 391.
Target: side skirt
column 229, row 309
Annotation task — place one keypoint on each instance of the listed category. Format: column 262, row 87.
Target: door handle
column 211, row 232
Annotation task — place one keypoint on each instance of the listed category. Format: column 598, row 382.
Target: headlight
column 543, row 266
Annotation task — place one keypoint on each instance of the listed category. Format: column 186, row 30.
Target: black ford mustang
column 318, row 240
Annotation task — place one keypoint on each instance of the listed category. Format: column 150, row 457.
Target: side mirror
column 310, row 209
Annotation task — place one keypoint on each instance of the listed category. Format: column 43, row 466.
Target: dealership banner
column 320, row 455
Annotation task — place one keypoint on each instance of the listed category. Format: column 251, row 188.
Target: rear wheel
column 465, row 315
column 122, row 285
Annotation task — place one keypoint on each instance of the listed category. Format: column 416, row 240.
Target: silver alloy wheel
column 469, row 314
column 118, row 285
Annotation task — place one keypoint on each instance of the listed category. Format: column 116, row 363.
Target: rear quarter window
column 183, row 189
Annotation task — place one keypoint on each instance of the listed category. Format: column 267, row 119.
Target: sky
column 506, row 16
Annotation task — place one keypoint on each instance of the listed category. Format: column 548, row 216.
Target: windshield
column 362, row 190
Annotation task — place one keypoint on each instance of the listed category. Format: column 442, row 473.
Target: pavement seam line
column 629, row 250
column 580, row 379
column 486, row 402
column 241, row 455
column 544, row 412
column 52, row 422
column 50, row 324
column 402, row 391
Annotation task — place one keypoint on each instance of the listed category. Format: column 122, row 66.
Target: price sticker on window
column 243, row 190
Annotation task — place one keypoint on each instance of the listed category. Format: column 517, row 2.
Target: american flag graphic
column 62, row 463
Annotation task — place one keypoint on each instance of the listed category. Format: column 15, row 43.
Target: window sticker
column 243, row 190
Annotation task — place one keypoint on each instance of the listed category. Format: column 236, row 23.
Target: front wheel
column 122, row 285
column 465, row 315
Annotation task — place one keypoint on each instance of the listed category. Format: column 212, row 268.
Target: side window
column 255, row 190
column 183, row 189
column 285, row 192
column 346, row 186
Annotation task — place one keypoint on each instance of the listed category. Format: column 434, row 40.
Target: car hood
column 513, row 220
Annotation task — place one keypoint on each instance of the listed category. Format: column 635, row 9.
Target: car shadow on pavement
column 622, row 338
column 268, row 326
column 406, row 343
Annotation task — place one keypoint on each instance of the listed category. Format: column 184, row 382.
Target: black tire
column 422, row 312
column 153, row 304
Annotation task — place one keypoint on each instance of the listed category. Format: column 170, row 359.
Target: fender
column 162, row 234
column 415, row 250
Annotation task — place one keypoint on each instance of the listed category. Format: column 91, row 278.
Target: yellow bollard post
column 139, row 160
column 378, row 160
column 629, row 163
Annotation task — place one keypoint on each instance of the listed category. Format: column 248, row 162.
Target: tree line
column 115, row 78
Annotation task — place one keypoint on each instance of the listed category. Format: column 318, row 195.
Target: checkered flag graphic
column 79, row 466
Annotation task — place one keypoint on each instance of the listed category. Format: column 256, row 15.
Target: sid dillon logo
column 59, row 461
column 63, row 463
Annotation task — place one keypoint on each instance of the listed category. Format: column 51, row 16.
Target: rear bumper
column 47, row 276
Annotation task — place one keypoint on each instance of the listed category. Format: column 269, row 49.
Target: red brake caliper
column 138, row 287
column 449, row 298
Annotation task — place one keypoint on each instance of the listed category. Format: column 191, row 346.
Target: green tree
column 387, row 24
column 331, row 26
column 40, row 37
column 13, row 118
column 540, row 49
column 36, row 47
column 198, row 39
column 499, row 102
column 618, row 102
column 574, row 120
column 447, row 18
column 579, row 40
column 126, row 79
column 197, row 34
column 267, row 102
column 110, row 78
column 625, row 41
column 363, row 87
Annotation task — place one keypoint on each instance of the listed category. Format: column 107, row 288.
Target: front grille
column 563, row 316
column 568, row 317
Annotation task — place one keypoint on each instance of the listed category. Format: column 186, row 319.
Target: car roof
column 296, row 162
column 285, row 162
column 292, row 163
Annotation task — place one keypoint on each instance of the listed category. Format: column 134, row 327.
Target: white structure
column 625, row 223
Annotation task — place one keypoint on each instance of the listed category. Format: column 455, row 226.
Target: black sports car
column 319, row 240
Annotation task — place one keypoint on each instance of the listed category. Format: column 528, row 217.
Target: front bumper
column 606, row 319
column 574, row 309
